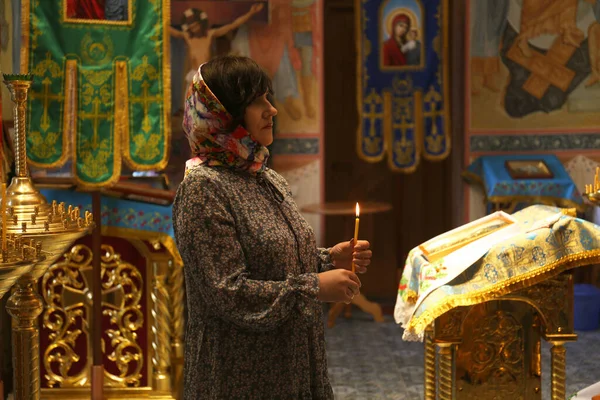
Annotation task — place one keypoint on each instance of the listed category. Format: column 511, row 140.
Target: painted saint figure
column 199, row 37
column 392, row 48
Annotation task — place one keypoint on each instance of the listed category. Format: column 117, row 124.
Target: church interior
column 463, row 135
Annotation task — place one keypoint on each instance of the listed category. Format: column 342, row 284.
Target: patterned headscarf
column 213, row 138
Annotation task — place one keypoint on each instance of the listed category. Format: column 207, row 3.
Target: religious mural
column 532, row 82
column 284, row 38
column 534, row 65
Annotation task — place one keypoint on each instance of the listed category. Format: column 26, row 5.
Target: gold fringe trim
column 121, row 116
column 418, row 324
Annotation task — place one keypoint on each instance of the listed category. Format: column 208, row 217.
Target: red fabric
column 85, row 9
column 392, row 55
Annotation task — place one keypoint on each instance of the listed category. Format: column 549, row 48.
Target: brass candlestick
column 17, row 261
column 56, row 226
column 592, row 191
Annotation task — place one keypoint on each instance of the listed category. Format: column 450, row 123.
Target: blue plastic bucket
column 586, row 307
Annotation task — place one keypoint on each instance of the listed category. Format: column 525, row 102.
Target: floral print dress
column 255, row 326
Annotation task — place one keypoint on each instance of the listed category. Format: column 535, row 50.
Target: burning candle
column 356, row 223
column 3, row 216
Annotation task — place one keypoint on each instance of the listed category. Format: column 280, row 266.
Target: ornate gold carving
column 176, row 295
column 497, row 354
column 430, row 372
column 161, row 328
column 549, row 297
column 558, row 360
column 67, row 292
column 446, row 366
column 451, row 323
column 24, row 306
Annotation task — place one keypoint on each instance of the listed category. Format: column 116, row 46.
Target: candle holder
column 17, row 259
column 55, row 226
column 592, row 191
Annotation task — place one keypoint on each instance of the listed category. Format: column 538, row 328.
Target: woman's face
column 399, row 29
column 258, row 120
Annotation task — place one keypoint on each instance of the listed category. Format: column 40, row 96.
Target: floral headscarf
column 213, row 138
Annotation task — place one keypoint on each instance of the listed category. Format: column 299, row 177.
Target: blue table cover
column 499, row 187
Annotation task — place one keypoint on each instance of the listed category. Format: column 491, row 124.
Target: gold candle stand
column 17, row 261
column 55, row 226
column 592, row 191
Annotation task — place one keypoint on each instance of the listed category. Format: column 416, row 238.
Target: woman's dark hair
column 236, row 82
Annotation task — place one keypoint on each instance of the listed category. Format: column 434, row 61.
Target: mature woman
column 255, row 278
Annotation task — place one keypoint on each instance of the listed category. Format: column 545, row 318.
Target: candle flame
column 357, row 210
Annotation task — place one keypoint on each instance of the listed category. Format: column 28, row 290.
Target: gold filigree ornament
column 68, row 315
column 55, row 226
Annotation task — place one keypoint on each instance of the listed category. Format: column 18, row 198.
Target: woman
column 392, row 48
column 255, row 278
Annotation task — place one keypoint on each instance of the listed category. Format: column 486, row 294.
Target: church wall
column 514, row 105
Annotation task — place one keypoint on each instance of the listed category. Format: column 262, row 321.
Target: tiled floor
column 369, row 361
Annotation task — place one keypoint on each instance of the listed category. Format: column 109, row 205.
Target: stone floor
column 370, row 361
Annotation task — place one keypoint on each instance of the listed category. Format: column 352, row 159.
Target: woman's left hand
column 344, row 253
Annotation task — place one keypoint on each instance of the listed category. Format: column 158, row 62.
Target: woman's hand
column 344, row 253
column 338, row 285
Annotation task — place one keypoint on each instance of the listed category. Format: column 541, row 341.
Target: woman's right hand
column 338, row 285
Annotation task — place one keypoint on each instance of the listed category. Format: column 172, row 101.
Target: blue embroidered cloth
column 499, row 187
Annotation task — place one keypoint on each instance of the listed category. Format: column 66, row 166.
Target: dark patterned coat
column 254, row 328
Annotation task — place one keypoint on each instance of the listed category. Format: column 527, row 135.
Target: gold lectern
column 485, row 294
column 492, row 350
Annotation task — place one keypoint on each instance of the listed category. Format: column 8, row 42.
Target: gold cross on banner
column 432, row 98
column 46, row 97
column 145, row 100
column 96, row 117
column 373, row 99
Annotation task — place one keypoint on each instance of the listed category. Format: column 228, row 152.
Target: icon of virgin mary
column 392, row 48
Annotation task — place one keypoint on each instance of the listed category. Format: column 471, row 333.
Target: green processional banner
column 101, row 91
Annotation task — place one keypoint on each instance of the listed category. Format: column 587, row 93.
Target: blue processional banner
column 403, row 82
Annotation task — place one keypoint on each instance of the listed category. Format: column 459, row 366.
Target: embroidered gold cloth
column 549, row 241
column 101, row 91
